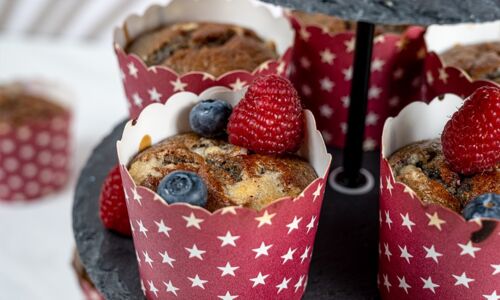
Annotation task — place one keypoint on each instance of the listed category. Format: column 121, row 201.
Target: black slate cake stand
column 344, row 263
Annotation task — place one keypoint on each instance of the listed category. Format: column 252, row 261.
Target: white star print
column 347, row 73
column 349, row 45
column 326, row 111
column 147, row 259
column 305, row 63
column 345, row 101
column 289, row 255
column 238, row 85
column 493, row 296
column 122, row 75
column 327, row 56
column 259, row 280
column 299, row 283
column 262, row 250
column 207, row 76
column 228, row 239
column 496, row 269
column 152, row 288
column 326, row 136
column 402, row 284
column 428, row 284
column 443, row 76
column 374, row 92
column 281, row 68
column 394, row 101
column 387, row 252
column 388, row 219
column 379, row 39
column 377, row 65
column 462, row 280
column 283, row 285
column 406, row 221
column 132, row 70
column 228, row 270
column 192, row 221
column 409, row 191
column 305, row 254
column 142, row 229
column 229, row 210
column 154, row 95
column 317, row 192
column 167, row 259
column 371, row 118
column 343, row 127
column 228, row 296
column 294, row 224
column 304, row 34
column 265, row 219
column 306, row 90
column 138, row 258
column 405, row 254
column 469, row 249
column 326, row 84
column 369, row 144
column 430, row 78
column 143, row 288
column 197, row 281
column 311, row 224
column 171, row 288
column 398, row 74
column 386, row 282
column 178, row 85
column 195, row 252
column 432, row 253
column 264, row 66
column 434, row 220
column 132, row 226
column 388, row 185
column 137, row 197
column 162, row 228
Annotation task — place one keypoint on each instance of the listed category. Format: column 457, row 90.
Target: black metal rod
column 353, row 151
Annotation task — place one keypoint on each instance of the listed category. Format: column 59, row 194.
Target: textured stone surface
column 424, row 12
column 345, row 255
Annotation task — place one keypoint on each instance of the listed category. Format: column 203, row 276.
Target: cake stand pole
column 353, row 151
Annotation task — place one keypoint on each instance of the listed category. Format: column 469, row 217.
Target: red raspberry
column 471, row 139
column 112, row 206
column 269, row 119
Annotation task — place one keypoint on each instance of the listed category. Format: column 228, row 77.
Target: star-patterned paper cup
column 322, row 73
column 440, row 78
column 429, row 251
column 233, row 253
column 35, row 155
column 146, row 85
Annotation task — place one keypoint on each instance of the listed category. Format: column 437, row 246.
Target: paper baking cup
column 89, row 291
column 427, row 251
column 439, row 78
column 145, row 85
column 322, row 74
column 35, row 156
column 234, row 253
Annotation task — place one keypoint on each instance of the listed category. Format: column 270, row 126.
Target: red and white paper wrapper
column 322, row 73
column 440, row 79
column 89, row 291
column 429, row 251
column 234, row 253
column 35, row 156
column 145, row 85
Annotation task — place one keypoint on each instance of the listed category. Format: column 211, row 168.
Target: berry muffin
column 206, row 47
column 480, row 61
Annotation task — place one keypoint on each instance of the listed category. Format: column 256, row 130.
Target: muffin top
column 18, row 107
column 423, row 168
column 480, row 61
column 206, row 47
column 233, row 176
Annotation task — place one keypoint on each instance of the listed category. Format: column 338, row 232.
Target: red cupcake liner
column 89, row 291
column 35, row 156
column 322, row 73
column 429, row 251
column 146, row 85
column 235, row 252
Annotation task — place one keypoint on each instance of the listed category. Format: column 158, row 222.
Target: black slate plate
column 423, row 12
column 344, row 263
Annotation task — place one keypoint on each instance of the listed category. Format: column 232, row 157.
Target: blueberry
column 483, row 206
column 183, row 186
column 209, row 118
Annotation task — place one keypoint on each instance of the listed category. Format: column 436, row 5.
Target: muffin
column 205, row 47
column 234, row 176
column 480, row 61
column 423, row 168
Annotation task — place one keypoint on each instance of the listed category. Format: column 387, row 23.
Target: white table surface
column 36, row 240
